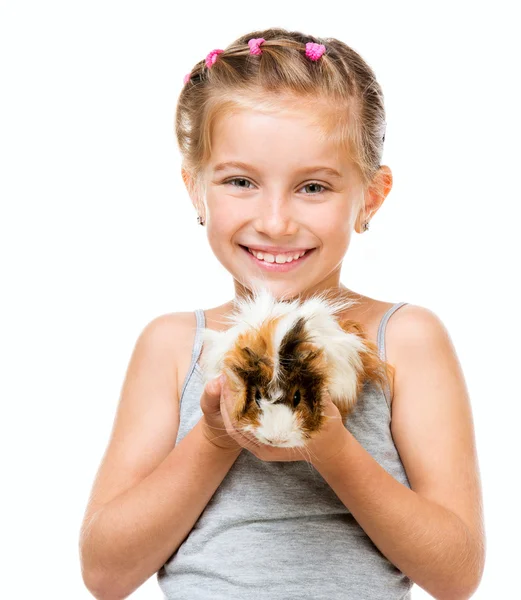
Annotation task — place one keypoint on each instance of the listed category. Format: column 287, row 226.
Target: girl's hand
column 332, row 436
column 213, row 425
column 327, row 442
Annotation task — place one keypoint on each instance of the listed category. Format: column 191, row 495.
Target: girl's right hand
column 214, row 427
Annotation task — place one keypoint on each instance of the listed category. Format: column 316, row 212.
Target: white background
column 98, row 235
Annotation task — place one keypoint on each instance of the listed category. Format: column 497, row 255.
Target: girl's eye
column 246, row 181
column 315, row 184
column 239, row 179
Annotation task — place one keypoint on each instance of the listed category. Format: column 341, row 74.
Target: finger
column 211, row 395
column 228, row 399
column 232, row 429
column 226, row 417
column 213, row 387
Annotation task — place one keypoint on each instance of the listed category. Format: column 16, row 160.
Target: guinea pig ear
column 311, row 352
column 254, row 358
column 249, row 362
column 251, row 355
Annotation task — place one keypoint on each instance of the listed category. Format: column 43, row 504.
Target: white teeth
column 279, row 258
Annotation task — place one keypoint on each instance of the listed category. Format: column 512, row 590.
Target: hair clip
column 254, row 45
column 314, row 51
column 186, row 78
column 212, row 57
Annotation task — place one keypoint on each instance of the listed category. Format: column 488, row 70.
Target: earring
column 365, row 226
column 200, row 220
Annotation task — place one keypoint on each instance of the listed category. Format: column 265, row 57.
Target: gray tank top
column 277, row 530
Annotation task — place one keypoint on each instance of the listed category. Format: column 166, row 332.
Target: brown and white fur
column 279, row 358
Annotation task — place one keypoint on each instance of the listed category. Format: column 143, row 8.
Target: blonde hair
column 350, row 100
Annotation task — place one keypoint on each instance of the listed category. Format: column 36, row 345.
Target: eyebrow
column 233, row 164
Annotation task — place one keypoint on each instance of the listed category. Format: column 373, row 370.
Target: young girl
column 281, row 136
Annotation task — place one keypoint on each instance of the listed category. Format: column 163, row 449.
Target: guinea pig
column 280, row 357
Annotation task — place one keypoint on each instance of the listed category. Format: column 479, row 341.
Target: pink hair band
column 314, row 51
column 212, row 57
column 254, row 45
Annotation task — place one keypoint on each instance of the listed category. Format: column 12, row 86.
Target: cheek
column 221, row 231
column 332, row 226
column 333, row 217
column 221, row 228
column 225, row 215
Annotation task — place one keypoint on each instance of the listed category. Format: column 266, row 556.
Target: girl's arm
column 148, row 494
column 134, row 535
column 433, row 532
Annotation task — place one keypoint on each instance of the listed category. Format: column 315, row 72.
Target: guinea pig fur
column 281, row 356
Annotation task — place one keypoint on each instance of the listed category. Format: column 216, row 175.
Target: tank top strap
column 382, row 326
column 381, row 344
column 197, row 346
column 198, row 341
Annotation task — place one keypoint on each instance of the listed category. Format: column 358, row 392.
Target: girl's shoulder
column 405, row 328
column 410, row 332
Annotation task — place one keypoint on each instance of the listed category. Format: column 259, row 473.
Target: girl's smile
column 274, row 263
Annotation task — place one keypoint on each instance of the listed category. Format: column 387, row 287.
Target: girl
column 281, row 136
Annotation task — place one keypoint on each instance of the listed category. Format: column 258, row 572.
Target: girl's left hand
column 324, row 444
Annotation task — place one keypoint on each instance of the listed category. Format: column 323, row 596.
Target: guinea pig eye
column 296, row 398
column 257, row 396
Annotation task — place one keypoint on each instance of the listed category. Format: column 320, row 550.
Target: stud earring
column 365, row 226
column 200, row 220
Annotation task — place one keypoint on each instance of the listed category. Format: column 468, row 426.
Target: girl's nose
column 275, row 219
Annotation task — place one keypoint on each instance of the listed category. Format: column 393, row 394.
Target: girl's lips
column 275, row 267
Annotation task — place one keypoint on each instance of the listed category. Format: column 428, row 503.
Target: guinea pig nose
column 276, row 440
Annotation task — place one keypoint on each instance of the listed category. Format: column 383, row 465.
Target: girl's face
column 290, row 192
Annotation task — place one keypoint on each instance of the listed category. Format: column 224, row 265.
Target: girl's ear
column 188, row 181
column 374, row 196
column 382, row 184
column 193, row 193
